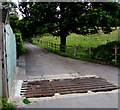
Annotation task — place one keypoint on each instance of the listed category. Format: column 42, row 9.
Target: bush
column 20, row 44
column 26, row 101
column 106, row 52
column 5, row 105
column 8, row 106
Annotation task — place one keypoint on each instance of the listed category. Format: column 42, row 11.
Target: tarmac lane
column 42, row 64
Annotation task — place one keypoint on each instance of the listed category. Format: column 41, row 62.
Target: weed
column 26, row 101
column 8, row 106
column 5, row 105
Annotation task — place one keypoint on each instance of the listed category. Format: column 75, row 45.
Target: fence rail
column 75, row 50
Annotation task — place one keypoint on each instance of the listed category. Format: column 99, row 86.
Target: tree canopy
column 62, row 18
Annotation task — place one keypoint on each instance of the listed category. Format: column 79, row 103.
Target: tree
column 65, row 17
column 112, row 8
column 14, row 22
column 11, row 6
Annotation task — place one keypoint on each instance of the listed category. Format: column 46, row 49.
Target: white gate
column 10, row 55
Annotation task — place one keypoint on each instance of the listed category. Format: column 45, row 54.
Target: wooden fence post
column 52, row 45
column 55, row 46
column 41, row 42
column 90, row 51
column 47, row 44
column 115, row 53
column 74, row 50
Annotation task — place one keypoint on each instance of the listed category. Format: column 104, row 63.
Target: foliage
column 26, row 101
column 95, row 41
column 107, row 52
column 6, row 105
column 20, row 44
column 82, row 40
column 11, row 6
column 63, row 18
column 78, row 57
column 14, row 22
column 13, row 15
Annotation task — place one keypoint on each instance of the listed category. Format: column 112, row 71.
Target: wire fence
column 76, row 50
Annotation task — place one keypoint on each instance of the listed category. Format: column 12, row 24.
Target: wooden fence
column 75, row 50
column 71, row 50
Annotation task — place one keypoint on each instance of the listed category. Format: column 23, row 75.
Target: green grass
column 78, row 57
column 80, row 40
column 5, row 105
column 85, row 41
column 26, row 101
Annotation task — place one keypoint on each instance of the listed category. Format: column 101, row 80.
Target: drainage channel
column 45, row 88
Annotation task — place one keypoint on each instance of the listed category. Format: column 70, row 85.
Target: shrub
column 8, row 106
column 5, row 105
column 20, row 44
column 106, row 52
column 26, row 101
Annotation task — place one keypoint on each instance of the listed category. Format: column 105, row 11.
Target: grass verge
column 5, row 105
column 83, row 40
column 79, row 57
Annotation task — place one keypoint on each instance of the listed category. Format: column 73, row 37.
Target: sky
column 19, row 13
column 15, row 1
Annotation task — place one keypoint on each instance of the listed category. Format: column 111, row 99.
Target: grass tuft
column 5, row 105
column 26, row 101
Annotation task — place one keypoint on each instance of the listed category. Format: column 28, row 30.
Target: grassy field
column 78, row 52
column 85, row 41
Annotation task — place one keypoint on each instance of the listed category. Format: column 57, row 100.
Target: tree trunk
column 63, row 43
column 63, row 31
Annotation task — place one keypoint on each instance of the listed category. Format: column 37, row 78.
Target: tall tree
column 65, row 17
column 14, row 22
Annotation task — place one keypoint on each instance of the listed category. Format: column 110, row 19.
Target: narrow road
column 40, row 62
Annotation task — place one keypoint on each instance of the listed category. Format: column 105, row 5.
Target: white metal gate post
column 11, row 55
